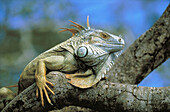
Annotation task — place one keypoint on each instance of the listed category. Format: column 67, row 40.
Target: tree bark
column 142, row 57
column 106, row 96
column 149, row 51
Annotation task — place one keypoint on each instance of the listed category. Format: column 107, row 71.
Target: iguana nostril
column 85, row 57
column 120, row 40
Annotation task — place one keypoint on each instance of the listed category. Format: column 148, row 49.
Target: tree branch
column 145, row 54
column 106, row 96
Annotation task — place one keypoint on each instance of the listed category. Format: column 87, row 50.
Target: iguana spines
column 85, row 58
column 95, row 52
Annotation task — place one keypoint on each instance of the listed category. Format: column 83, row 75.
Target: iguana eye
column 104, row 35
column 82, row 51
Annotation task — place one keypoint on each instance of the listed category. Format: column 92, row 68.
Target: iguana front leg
column 53, row 62
column 80, row 74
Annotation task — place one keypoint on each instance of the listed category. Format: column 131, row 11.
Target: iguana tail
column 11, row 86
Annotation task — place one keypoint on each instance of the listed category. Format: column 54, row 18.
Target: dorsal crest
column 79, row 27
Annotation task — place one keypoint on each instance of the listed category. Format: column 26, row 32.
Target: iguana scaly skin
column 85, row 58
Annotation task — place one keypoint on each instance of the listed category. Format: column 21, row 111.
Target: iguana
column 85, row 58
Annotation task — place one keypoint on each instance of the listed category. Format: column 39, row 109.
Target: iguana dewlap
column 85, row 58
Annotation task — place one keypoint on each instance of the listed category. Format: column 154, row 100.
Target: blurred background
column 29, row 27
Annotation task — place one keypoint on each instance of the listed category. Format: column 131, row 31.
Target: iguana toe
column 42, row 87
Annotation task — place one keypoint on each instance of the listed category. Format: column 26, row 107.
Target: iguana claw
column 41, row 81
column 42, row 87
column 91, row 52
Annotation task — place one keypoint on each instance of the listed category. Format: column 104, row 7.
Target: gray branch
column 149, row 51
column 142, row 57
column 106, row 96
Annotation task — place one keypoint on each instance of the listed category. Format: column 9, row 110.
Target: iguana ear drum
column 82, row 51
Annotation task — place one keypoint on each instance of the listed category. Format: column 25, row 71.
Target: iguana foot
column 41, row 81
column 42, row 85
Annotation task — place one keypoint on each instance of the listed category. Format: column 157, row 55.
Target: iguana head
column 99, row 38
column 104, row 40
column 94, row 49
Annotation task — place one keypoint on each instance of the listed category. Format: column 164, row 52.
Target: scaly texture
column 145, row 54
column 85, row 57
column 125, row 98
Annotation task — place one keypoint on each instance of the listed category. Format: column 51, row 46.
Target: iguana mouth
column 110, row 47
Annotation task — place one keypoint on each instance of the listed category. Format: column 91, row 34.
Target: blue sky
column 136, row 16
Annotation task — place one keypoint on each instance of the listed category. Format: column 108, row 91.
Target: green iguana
column 85, row 58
